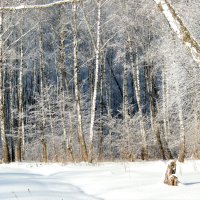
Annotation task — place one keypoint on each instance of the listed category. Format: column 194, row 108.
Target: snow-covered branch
column 48, row 5
column 180, row 29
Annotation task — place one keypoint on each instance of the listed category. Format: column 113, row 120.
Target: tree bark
column 82, row 143
column 20, row 136
column 180, row 29
column 97, row 61
column 5, row 152
column 42, row 85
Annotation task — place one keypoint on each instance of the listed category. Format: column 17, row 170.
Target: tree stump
column 170, row 177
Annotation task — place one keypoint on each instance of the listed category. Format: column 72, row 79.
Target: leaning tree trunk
column 180, row 29
column 5, row 152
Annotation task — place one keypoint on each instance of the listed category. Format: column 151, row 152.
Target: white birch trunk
column 180, row 29
column 142, row 130
column 20, row 137
column 94, row 97
column 76, row 84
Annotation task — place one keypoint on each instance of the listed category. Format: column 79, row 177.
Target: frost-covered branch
column 48, row 5
column 180, row 29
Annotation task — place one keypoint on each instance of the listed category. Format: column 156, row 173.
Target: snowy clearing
column 109, row 181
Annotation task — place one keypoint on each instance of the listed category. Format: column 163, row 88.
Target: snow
column 108, row 181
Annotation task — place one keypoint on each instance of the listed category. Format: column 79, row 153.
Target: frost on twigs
column 40, row 6
column 170, row 177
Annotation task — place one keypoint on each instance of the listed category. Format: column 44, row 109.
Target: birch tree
column 177, row 25
column 81, row 138
column 21, row 137
column 94, row 97
column 5, row 152
column 136, row 79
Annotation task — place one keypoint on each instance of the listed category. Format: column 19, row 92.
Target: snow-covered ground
column 109, row 181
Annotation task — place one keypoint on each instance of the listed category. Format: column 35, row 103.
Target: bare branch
column 49, row 5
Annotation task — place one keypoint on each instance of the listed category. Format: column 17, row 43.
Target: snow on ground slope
column 108, row 181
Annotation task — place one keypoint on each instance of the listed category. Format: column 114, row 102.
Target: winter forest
column 99, row 80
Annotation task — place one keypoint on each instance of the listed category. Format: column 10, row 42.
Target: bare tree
column 5, row 152
column 83, row 148
column 21, row 137
column 180, row 29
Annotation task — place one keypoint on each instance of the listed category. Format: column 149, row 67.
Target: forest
column 99, row 80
